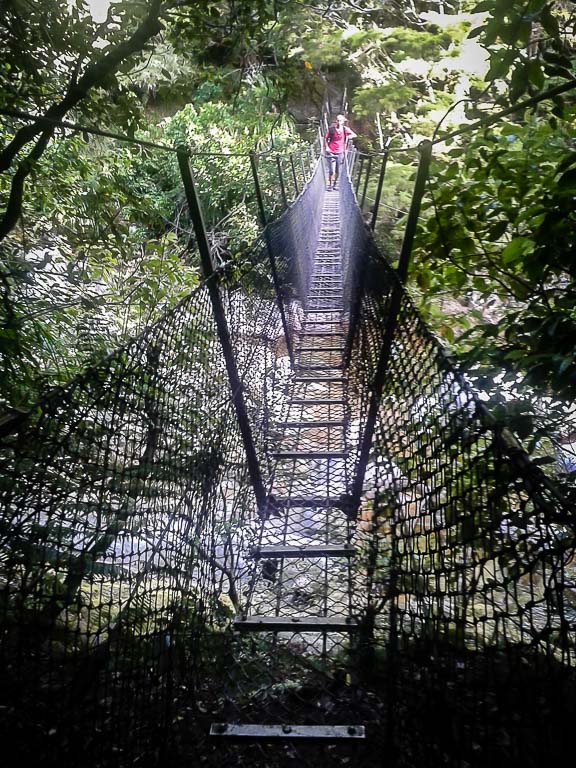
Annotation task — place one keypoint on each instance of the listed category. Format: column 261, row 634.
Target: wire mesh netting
column 292, row 241
column 123, row 499
column 468, row 551
column 126, row 510
column 128, row 519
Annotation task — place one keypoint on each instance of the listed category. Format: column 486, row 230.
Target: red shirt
column 338, row 143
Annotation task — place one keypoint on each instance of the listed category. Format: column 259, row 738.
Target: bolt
column 352, row 731
column 220, row 728
column 286, row 729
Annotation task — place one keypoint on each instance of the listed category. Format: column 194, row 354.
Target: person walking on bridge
column 336, row 138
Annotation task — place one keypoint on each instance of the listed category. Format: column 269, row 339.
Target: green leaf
column 484, row 5
column 541, row 460
column 569, row 160
column 500, row 63
column 476, row 32
column 497, row 230
column 552, row 57
column 491, row 32
column 534, row 73
column 518, row 82
column 550, row 22
column 517, row 248
column 567, row 182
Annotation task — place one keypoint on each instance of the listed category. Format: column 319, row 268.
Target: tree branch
column 95, row 75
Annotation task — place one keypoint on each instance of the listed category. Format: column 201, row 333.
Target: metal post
column 258, row 189
column 379, row 191
column 351, row 156
column 321, row 153
column 294, row 174
column 304, row 177
column 425, row 150
column 368, row 171
column 281, row 179
column 223, row 333
column 271, row 256
column 359, row 177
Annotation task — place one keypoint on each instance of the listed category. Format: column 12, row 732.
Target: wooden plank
column 255, row 732
column 296, row 624
column 319, row 401
column 310, row 455
column 322, row 367
column 320, row 349
column 310, row 424
column 327, row 550
column 310, row 334
column 310, row 501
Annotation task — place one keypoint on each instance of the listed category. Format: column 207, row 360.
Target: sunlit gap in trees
column 99, row 9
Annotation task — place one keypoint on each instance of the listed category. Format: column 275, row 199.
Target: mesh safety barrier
column 292, row 241
column 127, row 513
column 123, row 500
column 468, row 552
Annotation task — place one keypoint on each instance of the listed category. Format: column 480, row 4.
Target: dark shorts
column 333, row 159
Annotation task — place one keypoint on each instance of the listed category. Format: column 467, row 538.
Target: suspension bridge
column 280, row 526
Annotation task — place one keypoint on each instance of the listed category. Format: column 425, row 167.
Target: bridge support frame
column 380, row 184
column 271, row 256
column 366, row 180
column 281, row 180
column 393, row 315
column 211, row 278
column 359, row 176
column 294, row 177
column 425, row 149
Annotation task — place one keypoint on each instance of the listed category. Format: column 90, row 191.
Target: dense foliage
column 499, row 231
column 95, row 232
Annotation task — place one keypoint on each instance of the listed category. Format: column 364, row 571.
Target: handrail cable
column 110, row 135
column 485, row 122
column 482, row 123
